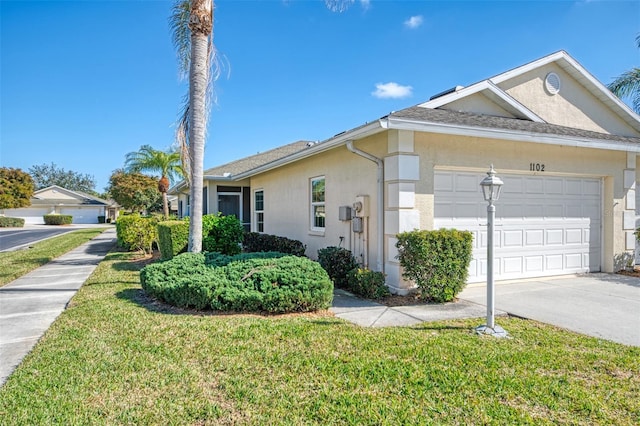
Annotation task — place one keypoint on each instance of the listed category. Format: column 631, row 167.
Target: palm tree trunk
column 200, row 22
column 165, row 206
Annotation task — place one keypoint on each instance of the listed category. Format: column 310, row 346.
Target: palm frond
column 627, row 85
column 181, row 35
column 338, row 5
column 182, row 138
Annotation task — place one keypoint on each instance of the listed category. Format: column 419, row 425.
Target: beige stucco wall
column 479, row 104
column 470, row 153
column 287, row 198
column 573, row 106
column 55, row 195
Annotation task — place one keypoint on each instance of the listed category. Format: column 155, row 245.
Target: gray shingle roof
column 467, row 119
column 257, row 160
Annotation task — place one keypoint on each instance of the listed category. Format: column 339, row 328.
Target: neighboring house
column 83, row 207
column 565, row 147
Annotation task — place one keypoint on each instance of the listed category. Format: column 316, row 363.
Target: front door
column 229, row 204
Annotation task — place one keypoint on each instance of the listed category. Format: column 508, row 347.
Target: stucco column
column 401, row 172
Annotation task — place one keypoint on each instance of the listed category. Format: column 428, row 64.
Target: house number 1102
column 536, row 167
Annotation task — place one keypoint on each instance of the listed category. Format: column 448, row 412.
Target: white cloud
column 391, row 91
column 414, row 22
column 365, row 4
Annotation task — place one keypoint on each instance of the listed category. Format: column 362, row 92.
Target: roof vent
column 552, row 83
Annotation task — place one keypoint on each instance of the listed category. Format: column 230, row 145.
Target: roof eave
column 513, row 135
column 336, row 141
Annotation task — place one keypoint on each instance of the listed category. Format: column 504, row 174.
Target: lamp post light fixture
column 491, row 186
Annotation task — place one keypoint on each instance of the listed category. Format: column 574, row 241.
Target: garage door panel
column 467, row 183
column 545, row 225
column 573, row 236
column 512, row 238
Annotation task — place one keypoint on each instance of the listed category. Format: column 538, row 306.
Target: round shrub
column 366, row 283
column 337, row 261
column 270, row 282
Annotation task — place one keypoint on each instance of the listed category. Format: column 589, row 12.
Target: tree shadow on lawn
column 140, row 298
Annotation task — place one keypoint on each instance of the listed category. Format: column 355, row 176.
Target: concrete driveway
column 599, row 305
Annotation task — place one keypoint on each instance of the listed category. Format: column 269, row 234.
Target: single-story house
column 84, row 208
column 564, row 145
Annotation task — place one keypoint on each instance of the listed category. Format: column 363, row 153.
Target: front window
column 317, row 204
column 259, row 209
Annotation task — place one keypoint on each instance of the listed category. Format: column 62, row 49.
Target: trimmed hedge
column 173, row 238
column 437, row 261
column 366, row 283
column 224, row 234
column 11, row 222
column 337, row 261
column 269, row 284
column 57, row 219
column 136, row 232
column 257, row 242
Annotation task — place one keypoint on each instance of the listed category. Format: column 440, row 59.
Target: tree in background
column 192, row 31
column 46, row 175
column 627, row 85
column 16, row 188
column 167, row 163
column 134, row 191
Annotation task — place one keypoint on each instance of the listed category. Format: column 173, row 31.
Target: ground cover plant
column 116, row 356
column 14, row 264
column 270, row 282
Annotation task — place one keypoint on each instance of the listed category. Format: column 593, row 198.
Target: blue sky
column 83, row 83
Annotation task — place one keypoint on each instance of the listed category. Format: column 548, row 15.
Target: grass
column 116, row 357
column 14, row 264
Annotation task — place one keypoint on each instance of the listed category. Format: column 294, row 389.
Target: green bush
column 173, row 238
column 256, row 242
column 337, row 261
column 224, row 236
column 243, row 283
column 57, row 219
column 11, row 222
column 366, row 283
column 219, row 259
column 137, row 233
column 436, row 261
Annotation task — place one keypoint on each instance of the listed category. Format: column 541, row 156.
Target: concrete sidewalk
column 367, row 313
column 30, row 304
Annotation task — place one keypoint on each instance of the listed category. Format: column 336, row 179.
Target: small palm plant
column 628, row 85
column 167, row 163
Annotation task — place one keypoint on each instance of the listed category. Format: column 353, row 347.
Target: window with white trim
column 317, row 204
column 258, row 197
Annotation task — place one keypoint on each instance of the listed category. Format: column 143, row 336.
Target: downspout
column 380, row 202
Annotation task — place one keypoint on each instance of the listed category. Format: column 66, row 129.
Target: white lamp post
column 491, row 186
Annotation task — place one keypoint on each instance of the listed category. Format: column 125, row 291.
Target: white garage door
column 545, row 225
column 31, row 215
column 83, row 214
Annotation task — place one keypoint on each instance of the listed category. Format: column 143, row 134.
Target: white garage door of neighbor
column 31, row 215
column 83, row 215
column 545, row 225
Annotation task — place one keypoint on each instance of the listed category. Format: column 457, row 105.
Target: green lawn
column 115, row 357
column 14, row 264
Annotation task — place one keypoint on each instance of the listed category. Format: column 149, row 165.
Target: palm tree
column 192, row 25
column 167, row 163
column 192, row 31
column 628, row 85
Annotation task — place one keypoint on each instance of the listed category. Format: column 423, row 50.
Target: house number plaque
column 536, row 167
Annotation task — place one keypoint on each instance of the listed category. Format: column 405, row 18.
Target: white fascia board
column 577, row 71
column 513, row 135
column 454, row 96
column 338, row 140
column 508, row 102
column 513, row 103
column 528, row 67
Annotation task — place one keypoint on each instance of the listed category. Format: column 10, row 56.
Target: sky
column 83, row 83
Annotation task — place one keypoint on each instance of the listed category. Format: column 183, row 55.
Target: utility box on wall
column 357, row 225
column 344, row 213
column 361, row 206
